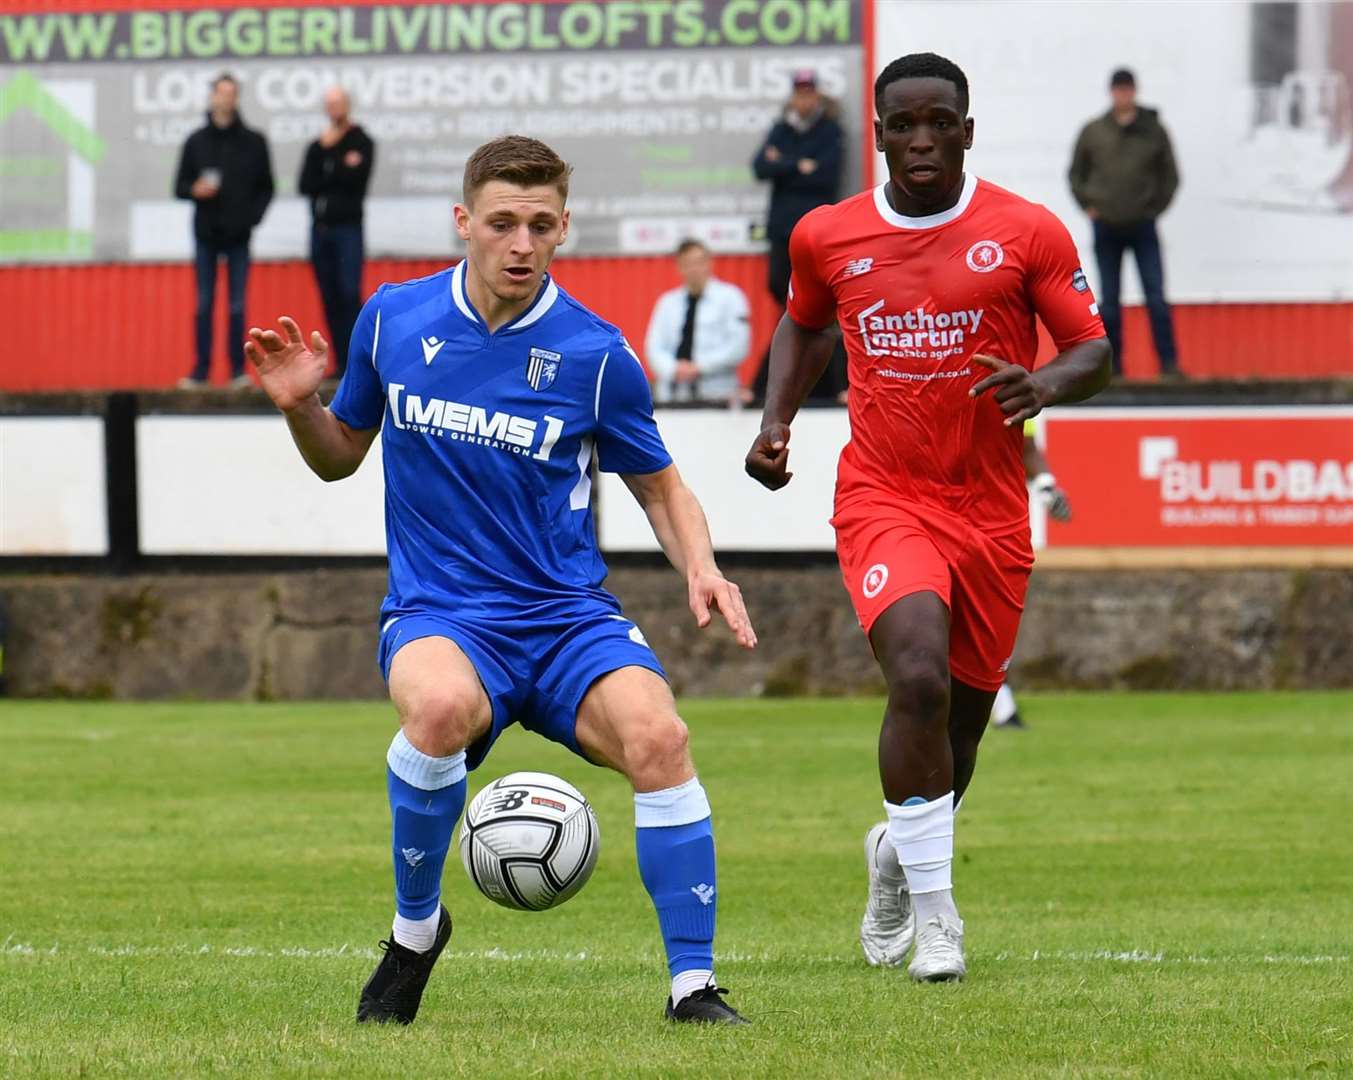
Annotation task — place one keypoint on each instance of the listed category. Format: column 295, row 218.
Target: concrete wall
column 312, row 634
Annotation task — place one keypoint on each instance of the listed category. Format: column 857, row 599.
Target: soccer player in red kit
column 935, row 278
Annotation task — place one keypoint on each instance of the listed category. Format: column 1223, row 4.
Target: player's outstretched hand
column 713, row 590
column 768, row 459
column 289, row 372
column 1016, row 389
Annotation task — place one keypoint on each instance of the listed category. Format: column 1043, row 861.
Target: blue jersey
column 488, row 442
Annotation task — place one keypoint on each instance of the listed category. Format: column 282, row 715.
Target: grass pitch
column 1153, row 885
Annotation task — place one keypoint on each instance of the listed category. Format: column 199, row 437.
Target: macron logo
column 704, row 893
column 412, row 856
column 431, row 347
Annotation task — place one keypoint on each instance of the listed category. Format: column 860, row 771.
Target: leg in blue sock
column 427, row 795
column 443, row 708
column 675, row 843
column 628, row 720
column 423, row 817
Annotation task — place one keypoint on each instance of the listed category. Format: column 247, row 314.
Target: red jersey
column 916, row 298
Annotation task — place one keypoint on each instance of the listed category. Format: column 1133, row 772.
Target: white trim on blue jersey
column 548, row 295
column 596, row 401
column 458, row 293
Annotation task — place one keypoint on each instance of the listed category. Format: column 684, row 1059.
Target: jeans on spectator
column 1111, row 241
column 237, row 276
column 336, row 255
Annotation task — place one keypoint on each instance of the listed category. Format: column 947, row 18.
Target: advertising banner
column 659, row 106
column 1251, row 477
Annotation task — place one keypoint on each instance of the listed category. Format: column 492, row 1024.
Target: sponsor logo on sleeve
column 1078, row 281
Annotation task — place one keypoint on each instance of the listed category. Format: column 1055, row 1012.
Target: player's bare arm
column 798, row 357
column 1079, row 373
column 679, row 524
column 291, row 374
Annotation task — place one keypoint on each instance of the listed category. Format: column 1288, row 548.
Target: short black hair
column 691, row 244
column 225, row 76
column 924, row 65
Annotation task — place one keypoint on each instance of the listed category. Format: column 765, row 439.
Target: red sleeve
column 1058, row 287
column 811, row 301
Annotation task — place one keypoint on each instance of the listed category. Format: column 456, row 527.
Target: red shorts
column 889, row 549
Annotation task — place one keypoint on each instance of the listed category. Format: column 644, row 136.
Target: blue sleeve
column 360, row 401
column 627, row 435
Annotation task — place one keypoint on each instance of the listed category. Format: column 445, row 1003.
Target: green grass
column 1153, row 885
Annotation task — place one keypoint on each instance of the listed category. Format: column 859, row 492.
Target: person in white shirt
column 699, row 333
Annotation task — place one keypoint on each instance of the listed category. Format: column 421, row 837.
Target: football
column 529, row 841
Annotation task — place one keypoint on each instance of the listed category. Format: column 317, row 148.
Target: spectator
column 1123, row 174
column 226, row 170
column 335, row 173
column 699, row 334
column 801, row 157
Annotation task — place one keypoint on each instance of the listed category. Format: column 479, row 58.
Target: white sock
column 922, row 834
column 1003, row 708
column 685, row 983
column 416, row 934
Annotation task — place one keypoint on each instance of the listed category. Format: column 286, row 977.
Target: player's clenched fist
column 1017, row 391
column 768, row 459
column 289, row 372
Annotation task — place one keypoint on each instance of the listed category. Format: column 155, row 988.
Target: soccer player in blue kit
column 492, row 389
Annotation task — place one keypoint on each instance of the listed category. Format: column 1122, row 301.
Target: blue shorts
column 535, row 672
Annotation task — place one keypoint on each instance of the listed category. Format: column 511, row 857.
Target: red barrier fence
column 130, row 325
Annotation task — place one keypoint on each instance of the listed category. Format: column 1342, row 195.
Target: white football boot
column 939, row 951
column 888, row 926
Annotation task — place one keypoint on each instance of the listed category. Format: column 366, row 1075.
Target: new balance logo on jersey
column 704, row 893
column 856, row 267
column 917, row 334
column 471, row 423
column 431, row 347
column 412, row 856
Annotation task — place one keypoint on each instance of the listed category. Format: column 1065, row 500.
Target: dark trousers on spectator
column 336, row 254
column 833, row 379
column 237, row 277
column 778, row 280
column 1111, row 241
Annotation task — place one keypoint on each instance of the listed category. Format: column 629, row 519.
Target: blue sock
column 675, row 843
column 427, row 795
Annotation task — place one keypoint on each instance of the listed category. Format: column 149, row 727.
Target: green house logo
column 48, row 156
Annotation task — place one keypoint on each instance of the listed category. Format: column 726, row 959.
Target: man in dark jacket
column 335, row 174
column 1123, row 174
column 801, row 157
column 226, row 169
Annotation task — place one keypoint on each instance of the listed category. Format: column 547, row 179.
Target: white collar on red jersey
column 930, row 221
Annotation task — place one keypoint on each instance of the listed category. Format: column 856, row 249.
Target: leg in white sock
column 922, row 835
